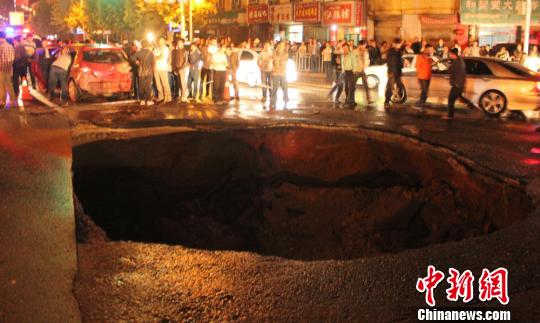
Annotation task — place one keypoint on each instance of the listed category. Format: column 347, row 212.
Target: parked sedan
column 492, row 84
column 98, row 71
column 377, row 75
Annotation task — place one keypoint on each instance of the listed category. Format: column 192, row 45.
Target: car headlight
column 292, row 74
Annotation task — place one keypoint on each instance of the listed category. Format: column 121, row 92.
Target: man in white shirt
column 161, row 72
column 475, row 49
column 327, row 62
column 265, row 64
column 362, row 56
column 59, row 74
column 220, row 64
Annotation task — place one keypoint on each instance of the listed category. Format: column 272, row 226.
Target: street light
column 190, row 21
column 528, row 8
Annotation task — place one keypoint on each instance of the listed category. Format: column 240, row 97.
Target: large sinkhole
column 290, row 192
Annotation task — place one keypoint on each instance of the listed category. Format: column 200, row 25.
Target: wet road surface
column 513, row 142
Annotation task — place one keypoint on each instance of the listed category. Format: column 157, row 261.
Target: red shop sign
column 359, row 13
column 307, row 12
column 339, row 13
column 258, row 14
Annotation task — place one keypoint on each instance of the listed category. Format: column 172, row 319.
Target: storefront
column 498, row 21
column 430, row 27
column 446, row 27
column 281, row 18
column 489, row 35
column 258, row 19
column 345, row 20
column 307, row 22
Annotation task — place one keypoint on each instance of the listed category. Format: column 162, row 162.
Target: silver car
column 492, row 84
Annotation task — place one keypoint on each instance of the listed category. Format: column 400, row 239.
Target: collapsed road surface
column 200, row 219
column 199, row 214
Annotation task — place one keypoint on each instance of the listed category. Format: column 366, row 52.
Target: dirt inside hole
column 291, row 192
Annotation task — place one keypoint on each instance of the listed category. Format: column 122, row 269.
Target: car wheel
column 73, row 91
column 493, row 102
column 399, row 94
column 372, row 81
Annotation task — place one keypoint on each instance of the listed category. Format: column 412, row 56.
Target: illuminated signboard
column 16, row 18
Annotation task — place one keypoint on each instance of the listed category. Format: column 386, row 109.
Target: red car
column 98, row 70
column 41, row 65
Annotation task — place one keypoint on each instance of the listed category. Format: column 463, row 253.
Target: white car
column 492, row 84
column 250, row 73
column 377, row 75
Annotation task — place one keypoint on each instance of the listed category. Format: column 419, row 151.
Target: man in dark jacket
column 416, row 46
column 339, row 83
column 146, row 62
column 395, row 65
column 19, row 64
column 374, row 53
column 458, row 73
column 194, row 61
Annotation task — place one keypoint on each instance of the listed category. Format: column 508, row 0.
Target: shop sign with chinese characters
column 500, row 12
column 339, row 13
column 281, row 13
column 258, row 14
column 307, row 12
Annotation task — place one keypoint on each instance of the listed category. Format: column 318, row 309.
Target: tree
column 41, row 20
column 60, row 10
column 170, row 11
column 76, row 17
column 202, row 10
column 124, row 18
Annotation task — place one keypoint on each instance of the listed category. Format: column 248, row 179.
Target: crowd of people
column 201, row 71
column 164, row 71
column 15, row 60
column 349, row 62
column 378, row 53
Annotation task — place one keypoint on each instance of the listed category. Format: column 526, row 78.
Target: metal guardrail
column 308, row 63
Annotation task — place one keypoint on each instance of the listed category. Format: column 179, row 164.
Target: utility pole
column 182, row 19
column 528, row 11
column 191, row 20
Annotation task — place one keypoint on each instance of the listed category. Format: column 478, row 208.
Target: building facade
column 297, row 21
column 489, row 21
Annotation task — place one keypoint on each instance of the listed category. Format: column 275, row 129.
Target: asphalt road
column 37, row 229
column 230, row 285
